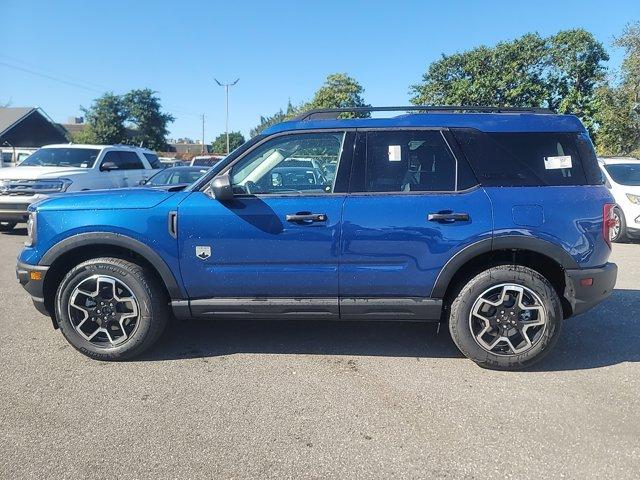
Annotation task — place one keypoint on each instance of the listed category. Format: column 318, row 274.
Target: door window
column 123, row 160
column 408, row 161
column 298, row 163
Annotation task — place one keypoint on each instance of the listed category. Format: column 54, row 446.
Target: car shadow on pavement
column 208, row 338
column 16, row 231
column 607, row 335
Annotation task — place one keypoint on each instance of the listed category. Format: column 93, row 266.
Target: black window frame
column 357, row 184
column 341, row 180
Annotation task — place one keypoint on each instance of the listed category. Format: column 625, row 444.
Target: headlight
column 51, row 186
column 633, row 198
column 32, row 229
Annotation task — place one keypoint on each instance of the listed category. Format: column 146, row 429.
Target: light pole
column 226, row 91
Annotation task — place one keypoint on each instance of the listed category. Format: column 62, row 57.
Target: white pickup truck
column 70, row 168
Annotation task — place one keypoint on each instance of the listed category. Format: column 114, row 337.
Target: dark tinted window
column 523, row 159
column 589, row 160
column 408, row 161
column 153, row 160
column 123, row 160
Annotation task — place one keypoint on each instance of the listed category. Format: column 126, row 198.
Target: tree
column 219, row 145
column 279, row 116
column 618, row 106
column 147, row 121
column 105, row 121
column 339, row 91
column 560, row 72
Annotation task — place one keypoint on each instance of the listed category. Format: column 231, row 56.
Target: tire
column 7, row 226
column 491, row 285
column 621, row 236
column 139, row 291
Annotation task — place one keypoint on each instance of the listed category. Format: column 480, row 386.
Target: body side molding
column 118, row 240
column 505, row 242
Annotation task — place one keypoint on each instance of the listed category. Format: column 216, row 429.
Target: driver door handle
column 448, row 217
column 303, row 217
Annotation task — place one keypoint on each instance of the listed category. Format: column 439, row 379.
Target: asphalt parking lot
column 319, row 400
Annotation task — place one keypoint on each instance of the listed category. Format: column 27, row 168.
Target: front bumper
column 586, row 287
column 14, row 208
column 31, row 277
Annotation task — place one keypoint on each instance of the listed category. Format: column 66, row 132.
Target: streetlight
column 226, row 122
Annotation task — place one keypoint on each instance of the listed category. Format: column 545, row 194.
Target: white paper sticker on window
column 554, row 163
column 394, row 153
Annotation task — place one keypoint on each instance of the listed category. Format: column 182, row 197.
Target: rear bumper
column 583, row 296
column 34, row 287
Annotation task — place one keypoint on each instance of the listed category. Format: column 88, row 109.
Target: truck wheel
column 7, row 226
column 111, row 309
column 619, row 229
column 506, row 318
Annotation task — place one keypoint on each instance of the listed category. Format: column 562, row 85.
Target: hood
column 121, row 199
column 36, row 173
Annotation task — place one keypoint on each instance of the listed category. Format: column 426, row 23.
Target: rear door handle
column 303, row 217
column 448, row 217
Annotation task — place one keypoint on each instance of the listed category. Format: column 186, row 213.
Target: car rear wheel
column 506, row 318
column 618, row 232
column 111, row 309
column 7, row 226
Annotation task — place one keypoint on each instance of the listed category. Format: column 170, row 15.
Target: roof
column 485, row 122
column 9, row 116
column 614, row 160
column 97, row 147
column 73, row 127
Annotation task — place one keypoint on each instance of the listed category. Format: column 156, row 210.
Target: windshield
column 625, row 173
column 62, row 157
column 175, row 176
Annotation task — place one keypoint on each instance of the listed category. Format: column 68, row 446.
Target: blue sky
column 280, row 50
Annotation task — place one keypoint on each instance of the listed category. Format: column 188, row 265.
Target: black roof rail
column 333, row 113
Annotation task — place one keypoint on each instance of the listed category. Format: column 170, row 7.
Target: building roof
column 9, row 116
column 485, row 122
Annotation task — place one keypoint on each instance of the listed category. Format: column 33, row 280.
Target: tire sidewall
column 461, row 310
column 134, row 282
column 622, row 233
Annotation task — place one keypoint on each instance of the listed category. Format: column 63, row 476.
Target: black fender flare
column 506, row 242
column 118, row 240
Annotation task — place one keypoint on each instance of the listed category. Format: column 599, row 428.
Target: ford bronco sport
column 493, row 221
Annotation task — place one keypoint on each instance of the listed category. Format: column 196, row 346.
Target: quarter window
column 298, row 163
column 408, row 161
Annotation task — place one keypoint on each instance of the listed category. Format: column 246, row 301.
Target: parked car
column 494, row 222
column 69, row 168
column 170, row 162
column 11, row 157
column 621, row 175
column 205, row 160
column 175, row 177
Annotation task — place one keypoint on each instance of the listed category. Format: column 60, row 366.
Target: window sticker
column 555, row 163
column 395, row 153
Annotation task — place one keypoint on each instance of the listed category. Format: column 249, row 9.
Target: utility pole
column 226, row 91
column 202, row 134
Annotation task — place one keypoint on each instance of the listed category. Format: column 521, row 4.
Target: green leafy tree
column 618, row 106
column 105, row 120
column 560, row 72
column 147, row 121
column 279, row 116
column 219, row 145
column 339, row 91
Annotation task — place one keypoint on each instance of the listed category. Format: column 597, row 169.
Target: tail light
column 608, row 222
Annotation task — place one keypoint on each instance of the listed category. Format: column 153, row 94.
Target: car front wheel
column 506, row 318
column 111, row 309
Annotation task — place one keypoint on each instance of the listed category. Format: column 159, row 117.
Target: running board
column 352, row 308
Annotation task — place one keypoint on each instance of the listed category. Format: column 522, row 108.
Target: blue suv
column 493, row 221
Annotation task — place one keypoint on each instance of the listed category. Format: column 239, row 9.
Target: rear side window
column 526, row 159
column 130, row 161
column 408, row 161
column 153, row 160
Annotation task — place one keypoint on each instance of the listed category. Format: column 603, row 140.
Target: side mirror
column 221, row 187
column 108, row 166
column 142, row 182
